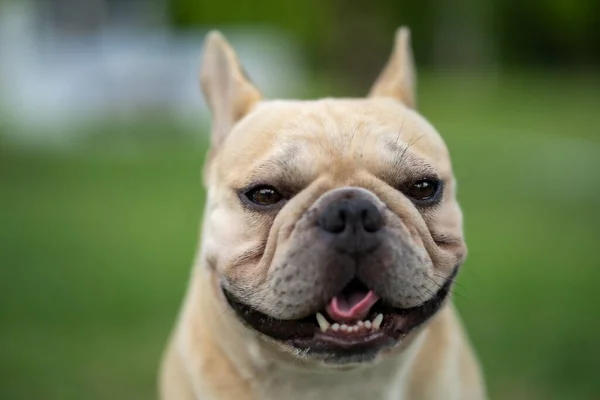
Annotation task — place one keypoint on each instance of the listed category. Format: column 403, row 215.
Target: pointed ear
column 398, row 78
column 228, row 91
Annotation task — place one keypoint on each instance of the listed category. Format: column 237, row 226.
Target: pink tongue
column 351, row 307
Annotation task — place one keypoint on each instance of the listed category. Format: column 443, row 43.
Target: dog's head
column 331, row 225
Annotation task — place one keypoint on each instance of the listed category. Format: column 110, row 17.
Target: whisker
column 431, row 293
column 454, row 281
column 227, row 310
column 408, row 146
column 400, row 131
column 454, row 293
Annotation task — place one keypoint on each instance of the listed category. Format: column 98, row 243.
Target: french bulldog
column 331, row 241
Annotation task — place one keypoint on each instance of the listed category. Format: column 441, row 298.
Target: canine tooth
column 377, row 321
column 360, row 324
column 335, row 327
column 344, row 327
column 368, row 324
column 323, row 323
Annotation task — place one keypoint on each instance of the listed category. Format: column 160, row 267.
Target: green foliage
column 550, row 33
column 308, row 20
column 356, row 34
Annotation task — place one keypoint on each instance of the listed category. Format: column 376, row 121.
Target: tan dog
column 331, row 239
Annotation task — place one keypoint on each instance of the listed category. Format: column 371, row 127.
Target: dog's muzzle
column 352, row 224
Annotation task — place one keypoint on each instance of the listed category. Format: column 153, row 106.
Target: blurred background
column 103, row 132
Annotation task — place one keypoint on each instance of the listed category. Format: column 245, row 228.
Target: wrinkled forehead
column 336, row 137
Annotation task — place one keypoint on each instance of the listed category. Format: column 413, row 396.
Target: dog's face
column 332, row 225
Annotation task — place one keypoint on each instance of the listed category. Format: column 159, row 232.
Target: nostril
column 371, row 219
column 334, row 222
column 342, row 219
column 338, row 223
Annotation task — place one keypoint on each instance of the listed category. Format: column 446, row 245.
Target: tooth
column 377, row 321
column 335, row 327
column 344, row 327
column 368, row 324
column 355, row 329
column 323, row 324
column 360, row 324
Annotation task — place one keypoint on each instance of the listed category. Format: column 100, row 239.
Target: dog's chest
column 361, row 389
column 378, row 384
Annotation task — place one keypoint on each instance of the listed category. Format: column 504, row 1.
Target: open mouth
column 354, row 326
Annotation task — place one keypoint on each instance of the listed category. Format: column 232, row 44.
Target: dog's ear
column 228, row 91
column 398, row 78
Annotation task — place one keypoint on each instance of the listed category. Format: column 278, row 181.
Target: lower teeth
column 360, row 326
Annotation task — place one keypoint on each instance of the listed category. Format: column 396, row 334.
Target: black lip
column 304, row 334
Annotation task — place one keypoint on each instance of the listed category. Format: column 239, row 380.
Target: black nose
column 354, row 216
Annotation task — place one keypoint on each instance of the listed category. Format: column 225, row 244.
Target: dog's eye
column 424, row 189
column 264, row 195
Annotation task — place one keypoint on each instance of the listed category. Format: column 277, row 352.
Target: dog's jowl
column 331, row 241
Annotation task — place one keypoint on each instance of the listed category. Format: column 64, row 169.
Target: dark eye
column 424, row 189
column 264, row 195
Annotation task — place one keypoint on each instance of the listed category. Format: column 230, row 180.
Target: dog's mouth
column 354, row 326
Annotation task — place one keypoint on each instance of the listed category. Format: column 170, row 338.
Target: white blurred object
column 53, row 79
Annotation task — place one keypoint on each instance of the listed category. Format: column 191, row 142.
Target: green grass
column 96, row 246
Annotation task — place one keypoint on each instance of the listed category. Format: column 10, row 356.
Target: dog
column 331, row 241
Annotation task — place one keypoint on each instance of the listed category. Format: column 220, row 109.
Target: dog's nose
column 355, row 216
